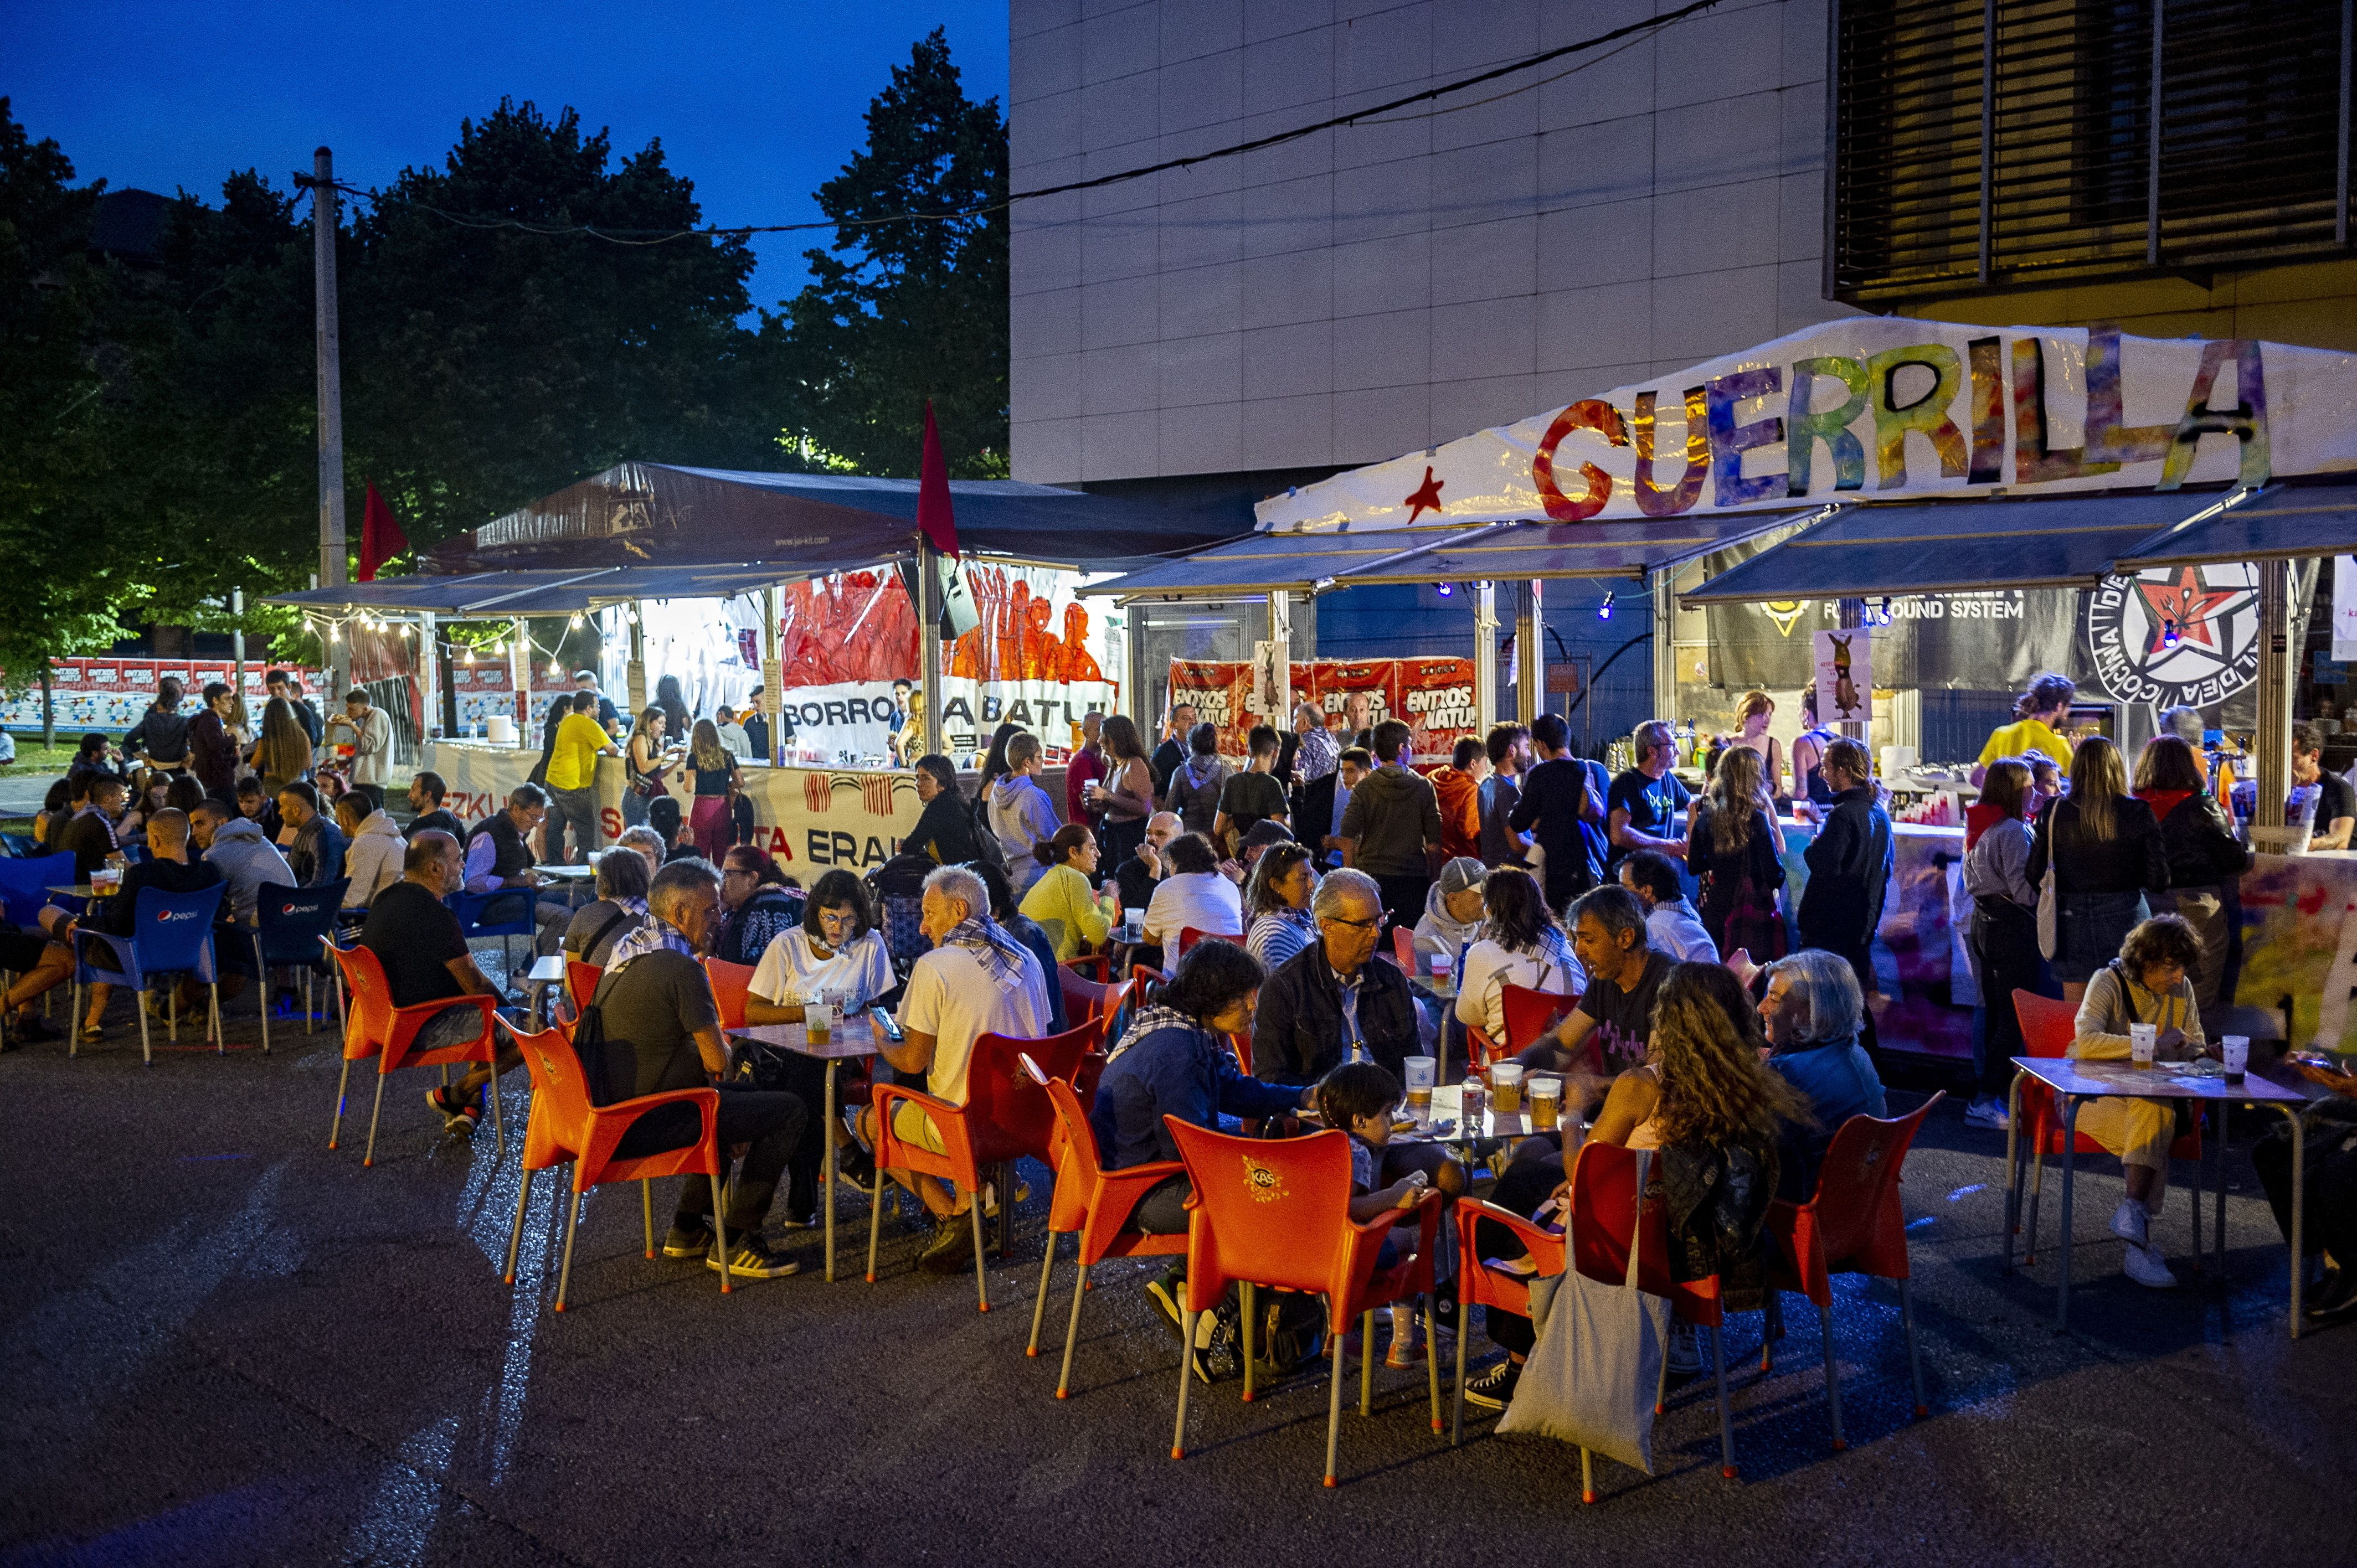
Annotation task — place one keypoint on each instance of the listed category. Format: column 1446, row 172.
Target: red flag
column 381, row 537
column 933, row 515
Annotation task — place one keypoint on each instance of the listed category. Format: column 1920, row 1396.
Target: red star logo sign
column 2185, row 602
column 1426, row 498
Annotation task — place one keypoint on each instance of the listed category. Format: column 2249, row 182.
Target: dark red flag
column 381, row 537
column 933, row 515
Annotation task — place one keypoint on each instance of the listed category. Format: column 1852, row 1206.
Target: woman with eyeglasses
column 763, row 903
column 837, row 948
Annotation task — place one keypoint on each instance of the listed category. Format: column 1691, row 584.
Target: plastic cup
column 2236, row 1050
column 1547, row 1102
column 1420, row 1072
column 1441, row 964
column 818, row 1021
column 2143, row 1042
column 1506, row 1088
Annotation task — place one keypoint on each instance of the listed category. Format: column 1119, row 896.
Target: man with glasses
column 1330, row 1003
column 498, row 855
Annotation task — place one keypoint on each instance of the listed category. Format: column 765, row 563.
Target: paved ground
column 227, row 1344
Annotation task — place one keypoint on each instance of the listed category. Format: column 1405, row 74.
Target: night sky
column 758, row 104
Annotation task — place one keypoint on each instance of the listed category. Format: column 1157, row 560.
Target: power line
column 646, row 237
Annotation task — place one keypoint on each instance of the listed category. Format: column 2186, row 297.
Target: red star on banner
column 1426, row 498
column 2187, row 603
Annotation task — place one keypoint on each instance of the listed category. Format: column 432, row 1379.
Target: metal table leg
column 2220, row 1250
column 827, row 1132
column 2012, row 1165
column 2070, row 1167
column 2299, row 1194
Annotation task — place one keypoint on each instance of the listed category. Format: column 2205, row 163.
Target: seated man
column 1332, row 1003
column 247, row 860
column 498, row 855
column 662, row 1032
column 976, row 981
column 416, row 937
column 1671, row 927
column 426, row 794
column 254, row 805
column 91, row 836
column 1138, row 875
column 168, row 869
column 314, row 844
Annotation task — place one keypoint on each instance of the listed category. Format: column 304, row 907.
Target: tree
column 900, row 311
column 59, row 511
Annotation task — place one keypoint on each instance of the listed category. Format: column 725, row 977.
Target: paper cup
column 2236, row 1050
column 2143, row 1042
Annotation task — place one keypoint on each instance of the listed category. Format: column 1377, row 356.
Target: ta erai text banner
column 1880, row 407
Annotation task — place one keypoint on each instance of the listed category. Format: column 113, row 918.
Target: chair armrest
column 1478, row 1047
column 403, row 1024
column 119, row 946
column 948, row 1120
column 1545, row 1247
column 608, row 1123
column 1363, row 1242
column 1118, row 1191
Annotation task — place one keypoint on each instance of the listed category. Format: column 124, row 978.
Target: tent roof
column 645, row 513
column 553, row 591
column 1302, row 563
column 2295, row 520
column 1952, row 546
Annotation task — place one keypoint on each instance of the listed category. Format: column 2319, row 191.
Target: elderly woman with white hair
column 1811, row 1013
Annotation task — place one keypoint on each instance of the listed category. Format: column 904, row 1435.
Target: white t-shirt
column 789, row 966
column 1489, row 968
column 1203, row 899
column 951, row 998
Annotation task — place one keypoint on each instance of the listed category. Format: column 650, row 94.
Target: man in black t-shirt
column 1643, row 808
column 1171, row 755
column 1250, row 797
column 1561, row 808
column 2336, row 803
column 90, row 835
column 661, row 1031
column 416, row 940
column 426, row 792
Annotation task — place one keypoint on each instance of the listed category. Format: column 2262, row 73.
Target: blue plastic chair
column 172, row 935
column 291, row 925
column 503, row 912
column 20, row 846
column 25, row 885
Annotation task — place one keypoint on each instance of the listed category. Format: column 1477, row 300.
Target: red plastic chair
column 2047, row 1027
column 731, row 983
column 1403, row 947
column 1099, row 962
column 564, row 1128
column 1190, row 935
column 1094, row 1205
column 1531, row 1012
column 1856, row 1223
column 1005, row 1117
column 1276, row 1212
column 374, row 1026
column 1478, row 1285
column 1085, row 998
column 1603, row 1211
column 581, row 983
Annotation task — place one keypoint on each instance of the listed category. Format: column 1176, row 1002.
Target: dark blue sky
column 757, row 104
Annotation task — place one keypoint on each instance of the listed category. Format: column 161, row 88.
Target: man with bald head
column 167, row 869
column 1138, row 876
column 416, row 938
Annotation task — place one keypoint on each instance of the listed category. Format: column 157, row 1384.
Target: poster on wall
column 1433, row 696
column 2344, row 606
column 111, row 693
column 2177, row 634
column 1845, row 674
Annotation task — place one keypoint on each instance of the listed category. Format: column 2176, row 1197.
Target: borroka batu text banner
column 1878, row 408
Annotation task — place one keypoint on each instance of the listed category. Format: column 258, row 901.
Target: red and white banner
column 1434, row 697
column 111, row 693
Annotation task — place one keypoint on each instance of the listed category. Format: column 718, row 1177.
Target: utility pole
column 332, row 572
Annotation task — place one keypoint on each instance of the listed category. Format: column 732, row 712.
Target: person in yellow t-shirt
column 2036, row 712
column 572, row 781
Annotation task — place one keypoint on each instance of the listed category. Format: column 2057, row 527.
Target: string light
column 1604, row 610
column 576, row 622
column 1446, row 590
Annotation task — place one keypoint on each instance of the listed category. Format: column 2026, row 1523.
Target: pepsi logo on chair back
column 166, row 916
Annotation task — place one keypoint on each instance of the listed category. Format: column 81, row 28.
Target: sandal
column 89, row 1034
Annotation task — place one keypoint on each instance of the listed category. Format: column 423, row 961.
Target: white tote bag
column 2050, row 914
column 1596, row 1366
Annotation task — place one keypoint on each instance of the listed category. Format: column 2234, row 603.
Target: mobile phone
column 889, row 1024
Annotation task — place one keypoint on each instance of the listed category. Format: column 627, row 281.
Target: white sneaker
column 1986, row 1111
column 2129, row 1224
column 2148, row 1267
column 1685, row 1352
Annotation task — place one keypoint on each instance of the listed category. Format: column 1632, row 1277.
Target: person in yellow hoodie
column 2146, row 985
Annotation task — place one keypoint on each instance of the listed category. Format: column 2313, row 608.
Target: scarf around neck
column 1148, row 1021
column 653, row 936
column 998, row 953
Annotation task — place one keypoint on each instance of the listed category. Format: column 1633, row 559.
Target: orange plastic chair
column 731, row 983
column 1856, row 1223
column 1189, row 936
column 1478, row 1285
column 1094, row 1205
column 564, row 1128
column 374, row 1026
column 1603, row 1212
column 581, row 983
column 1276, row 1212
column 2047, row 1027
column 1004, row 1118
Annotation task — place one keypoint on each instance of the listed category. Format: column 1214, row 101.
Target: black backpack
column 988, row 850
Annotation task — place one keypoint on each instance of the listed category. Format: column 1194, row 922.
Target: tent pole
column 1280, row 652
column 929, row 647
column 429, row 677
column 237, row 655
column 635, row 679
column 2278, row 665
column 772, row 677
column 1485, row 657
column 1529, row 656
column 520, row 671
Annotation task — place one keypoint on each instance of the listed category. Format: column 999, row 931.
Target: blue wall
column 1400, row 622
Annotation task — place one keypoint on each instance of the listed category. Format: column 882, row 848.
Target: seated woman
column 1452, row 911
column 620, row 909
column 1277, row 904
column 2146, row 985
column 1520, row 945
column 1811, row 1014
column 945, row 830
column 1064, row 900
column 1716, row 1112
column 763, row 903
column 1194, row 894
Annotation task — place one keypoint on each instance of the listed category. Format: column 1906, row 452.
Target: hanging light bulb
column 1446, row 590
column 631, row 616
column 470, row 653
column 1604, row 610
column 1885, row 609
column 576, row 622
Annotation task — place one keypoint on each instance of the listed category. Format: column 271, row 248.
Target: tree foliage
column 897, row 312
